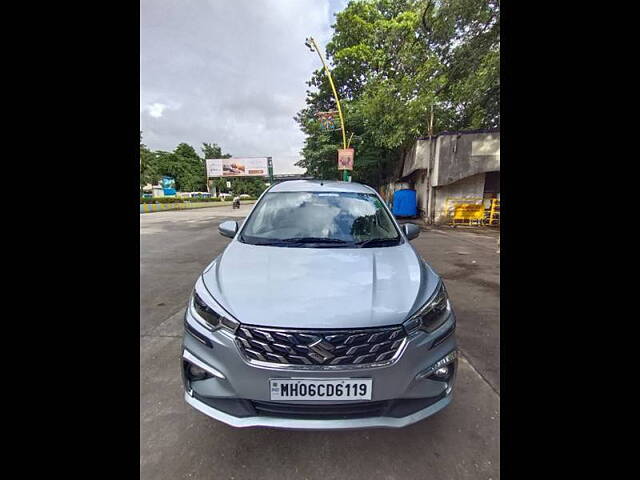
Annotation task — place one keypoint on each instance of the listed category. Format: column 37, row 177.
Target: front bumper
column 237, row 391
column 316, row 424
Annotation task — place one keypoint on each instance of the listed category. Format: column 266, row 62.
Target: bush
column 162, row 200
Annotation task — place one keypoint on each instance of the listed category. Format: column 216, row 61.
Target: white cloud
column 229, row 72
column 155, row 109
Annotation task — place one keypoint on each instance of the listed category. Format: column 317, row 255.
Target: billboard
column 237, row 167
column 169, row 185
column 328, row 120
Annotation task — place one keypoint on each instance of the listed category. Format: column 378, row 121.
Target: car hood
column 319, row 287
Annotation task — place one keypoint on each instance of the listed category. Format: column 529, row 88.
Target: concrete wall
column 418, row 157
column 387, row 190
column 471, row 188
column 460, row 161
column 462, row 155
column 421, row 186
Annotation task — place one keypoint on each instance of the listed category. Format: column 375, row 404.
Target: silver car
column 319, row 314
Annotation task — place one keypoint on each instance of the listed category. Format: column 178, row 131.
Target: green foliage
column 395, row 61
column 241, row 185
column 183, row 200
column 148, row 173
column 183, row 164
column 212, row 150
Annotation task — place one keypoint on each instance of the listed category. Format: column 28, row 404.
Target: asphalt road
column 176, row 441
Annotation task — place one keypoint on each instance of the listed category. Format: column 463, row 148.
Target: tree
column 212, row 150
column 253, row 186
column 148, row 172
column 394, row 62
column 248, row 185
column 189, row 170
column 184, row 165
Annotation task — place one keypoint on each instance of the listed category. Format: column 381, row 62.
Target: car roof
column 320, row 186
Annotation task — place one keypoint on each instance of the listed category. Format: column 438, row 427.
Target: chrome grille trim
column 387, row 343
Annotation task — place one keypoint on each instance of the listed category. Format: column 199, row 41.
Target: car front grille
column 320, row 347
column 330, row 411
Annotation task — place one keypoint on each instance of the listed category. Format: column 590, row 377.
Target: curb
column 161, row 207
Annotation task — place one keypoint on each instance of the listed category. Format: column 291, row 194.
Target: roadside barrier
column 157, row 207
column 471, row 211
column 464, row 210
column 493, row 217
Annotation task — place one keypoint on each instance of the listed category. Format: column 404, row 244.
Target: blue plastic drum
column 405, row 203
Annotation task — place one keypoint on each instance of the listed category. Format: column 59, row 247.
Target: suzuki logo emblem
column 320, row 347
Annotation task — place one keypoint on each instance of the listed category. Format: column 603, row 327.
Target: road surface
column 178, row 442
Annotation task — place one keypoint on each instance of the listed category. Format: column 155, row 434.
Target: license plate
column 320, row 389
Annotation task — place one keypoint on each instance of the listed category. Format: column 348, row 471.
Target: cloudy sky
column 230, row 72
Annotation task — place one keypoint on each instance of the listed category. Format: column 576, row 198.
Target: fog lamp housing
column 194, row 369
column 442, row 370
column 196, row 373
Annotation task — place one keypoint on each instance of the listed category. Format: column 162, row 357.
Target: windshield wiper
column 377, row 242
column 288, row 242
column 312, row 240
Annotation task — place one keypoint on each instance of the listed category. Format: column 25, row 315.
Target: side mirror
column 411, row 230
column 228, row 228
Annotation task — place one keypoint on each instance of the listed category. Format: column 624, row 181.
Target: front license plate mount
column 320, row 389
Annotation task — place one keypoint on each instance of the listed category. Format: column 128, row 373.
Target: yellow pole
column 335, row 95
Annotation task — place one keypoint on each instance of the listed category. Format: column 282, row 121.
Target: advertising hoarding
column 169, row 185
column 345, row 158
column 237, row 167
column 328, row 120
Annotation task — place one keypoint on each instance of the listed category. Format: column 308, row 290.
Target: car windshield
column 336, row 219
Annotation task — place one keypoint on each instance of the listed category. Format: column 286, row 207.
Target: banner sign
column 329, row 120
column 169, row 185
column 345, row 158
column 237, row 167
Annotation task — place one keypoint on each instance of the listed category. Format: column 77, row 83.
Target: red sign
column 345, row 159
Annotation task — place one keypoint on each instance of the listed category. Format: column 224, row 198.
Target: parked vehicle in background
column 224, row 196
column 319, row 314
column 244, row 195
column 200, row 195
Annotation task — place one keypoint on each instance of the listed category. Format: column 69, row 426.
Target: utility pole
column 270, row 169
column 311, row 43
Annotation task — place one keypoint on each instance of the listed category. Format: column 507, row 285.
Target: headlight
column 209, row 314
column 432, row 315
column 205, row 311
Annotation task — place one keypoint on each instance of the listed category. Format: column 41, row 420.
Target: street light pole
column 311, row 43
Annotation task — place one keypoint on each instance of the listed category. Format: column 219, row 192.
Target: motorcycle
column 236, row 203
